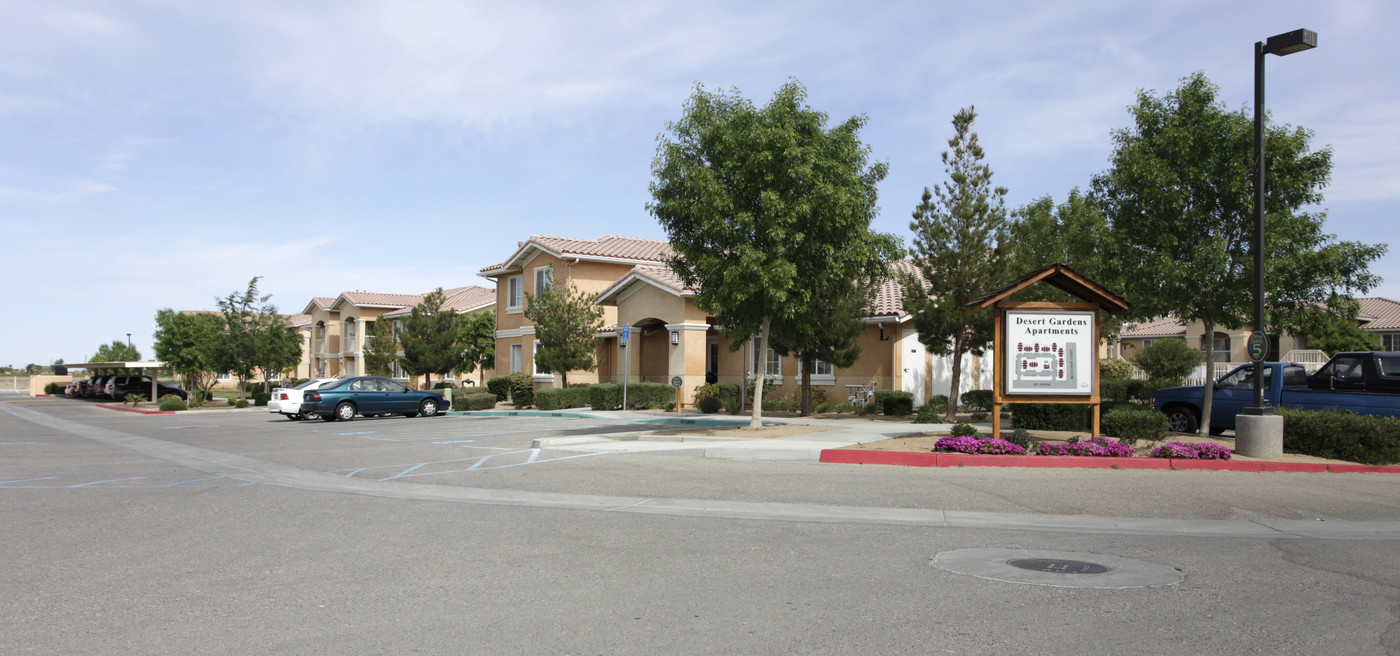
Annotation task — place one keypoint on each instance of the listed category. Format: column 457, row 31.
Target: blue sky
column 160, row 153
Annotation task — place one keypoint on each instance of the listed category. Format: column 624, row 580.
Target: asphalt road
column 242, row 533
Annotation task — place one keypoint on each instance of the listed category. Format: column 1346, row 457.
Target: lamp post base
column 1259, row 436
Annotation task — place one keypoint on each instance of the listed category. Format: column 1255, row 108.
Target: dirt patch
column 923, row 443
column 744, row 432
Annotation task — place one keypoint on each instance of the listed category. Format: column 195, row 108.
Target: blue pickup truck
column 1366, row 383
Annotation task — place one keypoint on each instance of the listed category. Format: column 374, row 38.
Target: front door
column 913, row 374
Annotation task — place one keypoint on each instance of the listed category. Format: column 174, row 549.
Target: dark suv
column 123, row 385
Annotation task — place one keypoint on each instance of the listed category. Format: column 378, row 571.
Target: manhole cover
column 1065, row 569
column 1058, row 566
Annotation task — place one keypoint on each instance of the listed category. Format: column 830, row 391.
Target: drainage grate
column 1058, row 566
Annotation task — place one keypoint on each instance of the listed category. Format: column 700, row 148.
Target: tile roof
column 459, row 299
column 299, row 320
column 323, row 302
column 889, row 297
column 606, row 247
column 381, row 300
column 1384, row 314
column 1168, row 326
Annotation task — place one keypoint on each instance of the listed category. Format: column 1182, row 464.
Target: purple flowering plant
column 1203, row 451
column 1099, row 446
column 968, row 444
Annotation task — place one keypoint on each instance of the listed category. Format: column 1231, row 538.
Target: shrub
column 823, row 407
column 938, row 403
column 709, row 390
column 522, row 389
column 976, row 400
column 171, row 402
column 894, row 403
column 559, row 399
column 1202, row 451
column 844, row 408
column 474, row 401
column 1144, row 393
column 1116, row 390
column 1020, row 437
column 1098, row 446
column 748, row 387
column 729, row 392
column 240, row 403
column 134, row 400
column 709, row 405
column 1050, row 416
column 53, row 389
column 650, row 396
column 261, row 398
column 1167, row 358
column 605, row 396
column 1134, row 423
column 927, row 416
column 1341, row 435
column 777, row 405
column 967, row 444
column 1114, row 369
column 500, row 386
column 963, row 430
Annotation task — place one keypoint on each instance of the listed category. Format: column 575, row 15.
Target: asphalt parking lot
column 227, row 533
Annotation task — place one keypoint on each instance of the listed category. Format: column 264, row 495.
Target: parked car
column 1364, row 383
column 120, row 386
column 287, row 400
column 85, row 387
column 369, row 396
column 99, row 386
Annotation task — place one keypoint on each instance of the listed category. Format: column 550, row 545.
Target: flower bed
column 1202, row 451
column 968, row 444
column 1098, row 446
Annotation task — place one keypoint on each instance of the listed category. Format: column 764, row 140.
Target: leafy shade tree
column 1167, row 359
column 277, row 347
column 832, row 341
column 188, row 344
column 1180, row 205
column 429, row 338
column 566, row 325
column 1332, row 333
column 768, row 211
column 117, row 351
column 478, row 342
column 248, row 342
column 958, row 229
column 381, row 348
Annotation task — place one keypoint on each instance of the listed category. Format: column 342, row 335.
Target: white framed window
column 514, row 358
column 398, row 329
column 770, row 362
column 544, row 277
column 822, row 372
column 1222, row 344
column 515, row 292
column 223, row 376
column 398, row 371
column 539, row 370
column 1390, row 342
column 1148, row 342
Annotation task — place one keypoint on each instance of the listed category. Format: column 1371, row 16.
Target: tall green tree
column 429, row 338
column 768, row 210
column 117, row 351
column 381, row 348
column 478, row 342
column 1179, row 200
column 1336, row 333
column 245, row 344
column 958, row 229
column 566, row 325
column 277, row 347
column 187, row 344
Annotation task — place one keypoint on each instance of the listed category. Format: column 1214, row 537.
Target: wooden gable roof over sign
column 1061, row 277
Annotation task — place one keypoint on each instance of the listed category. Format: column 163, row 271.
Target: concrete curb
column 909, row 459
column 574, row 414
column 122, row 408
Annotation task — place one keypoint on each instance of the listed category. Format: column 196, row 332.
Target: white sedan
column 287, row 400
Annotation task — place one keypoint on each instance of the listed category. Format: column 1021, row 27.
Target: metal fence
column 14, row 384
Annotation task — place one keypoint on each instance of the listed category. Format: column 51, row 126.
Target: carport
column 151, row 369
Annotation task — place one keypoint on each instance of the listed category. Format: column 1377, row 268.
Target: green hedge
column 500, row 386
column 474, row 401
column 777, row 406
column 895, row 403
column 261, row 398
column 559, row 399
column 169, row 403
column 1341, row 435
column 976, row 400
column 1050, row 416
column 640, row 396
column 1133, row 423
column 522, row 389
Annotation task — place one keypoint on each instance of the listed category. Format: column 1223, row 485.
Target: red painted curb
column 123, row 408
column 919, row 459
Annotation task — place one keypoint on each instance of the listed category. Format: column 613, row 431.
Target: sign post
column 676, row 383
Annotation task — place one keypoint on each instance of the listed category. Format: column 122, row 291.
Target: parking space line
column 27, row 480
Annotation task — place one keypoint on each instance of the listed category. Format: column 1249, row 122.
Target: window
column 540, row 370
column 1390, row 342
column 515, row 293
column 544, row 277
column 222, row 376
column 1222, row 344
column 349, row 367
column 820, row 368
column 398, row 370
column 398, row 328
column 391, row 386
column 772, row 363
column 514, row 358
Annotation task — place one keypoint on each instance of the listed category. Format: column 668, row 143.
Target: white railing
column 14, row 384
column 1311, row 359
column 320, row 347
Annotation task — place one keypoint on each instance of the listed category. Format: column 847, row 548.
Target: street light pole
column 1279, row 44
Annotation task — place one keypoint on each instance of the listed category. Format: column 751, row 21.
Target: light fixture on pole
column 1279, row 44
